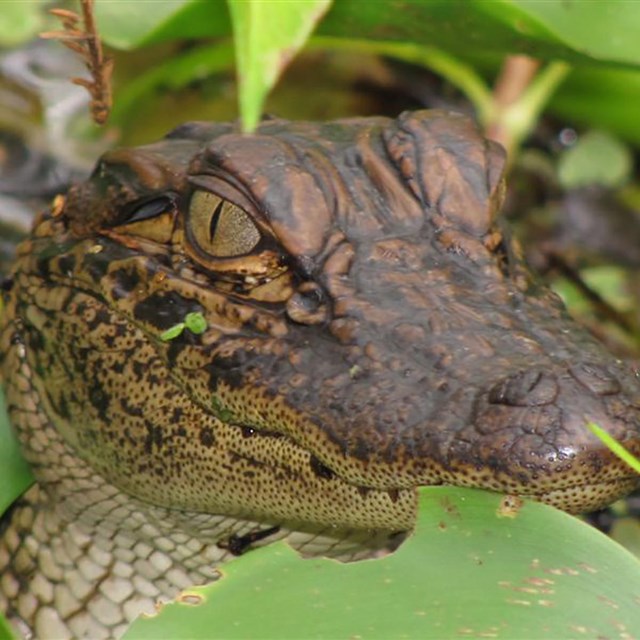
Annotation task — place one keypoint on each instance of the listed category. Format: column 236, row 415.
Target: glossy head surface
column 369, row 328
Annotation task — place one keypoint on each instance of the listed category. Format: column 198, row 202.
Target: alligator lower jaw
column 584, row 492
column 584, row 498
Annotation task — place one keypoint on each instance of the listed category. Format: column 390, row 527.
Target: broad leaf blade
column 267, row 36
column 6, row 632
column 580, row 32
column 20, row 21
column 469, row 570
column 15, row 475
column 130, row 25
column 606, row 31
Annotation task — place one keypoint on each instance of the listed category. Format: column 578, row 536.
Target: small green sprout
column 221, row 412
column 172, row 332
column 195, row 322
column 614, row 445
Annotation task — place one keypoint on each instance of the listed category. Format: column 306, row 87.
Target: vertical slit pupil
column 215, row 218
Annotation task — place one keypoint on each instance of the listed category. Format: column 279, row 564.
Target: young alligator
column 370, row 328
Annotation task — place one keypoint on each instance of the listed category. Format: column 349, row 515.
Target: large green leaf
column 602, row 98
column 129, row 25
column 6, row 633
column 20, row 21
column 267, row 36
column 15, row 475
column 471, row 569
column 581, row 32
column 192, row 66
column 605, row 30
column 268, row 33
column 458, row 26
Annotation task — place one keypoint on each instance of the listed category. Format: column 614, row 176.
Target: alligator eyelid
column 149, row 209
column 226, row 190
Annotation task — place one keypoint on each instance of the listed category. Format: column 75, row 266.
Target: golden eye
column 219, row 227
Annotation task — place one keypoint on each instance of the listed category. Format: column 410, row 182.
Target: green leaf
column 6, row 632
column 605, row 98
column 549, row 30
column 173, row 74
column 455, row 38
column 614, row 446
column 608, row 281
column 605, row 31
column 579, row 32
column 172, row 332
column 472, row 569
column 458, row 26
column 195, row 322
column 267, row 36
column 15, row 475
column 126, row 25
column 21, row 21
column 15, row 478
column 129, row 25
column 597, row 158
column 220, row 411
column 611, row 283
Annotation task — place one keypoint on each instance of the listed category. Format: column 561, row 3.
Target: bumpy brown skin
column 382, row 335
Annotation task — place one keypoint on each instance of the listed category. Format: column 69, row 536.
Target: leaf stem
column 614, row 445
column 519, row 118
column 455, row 71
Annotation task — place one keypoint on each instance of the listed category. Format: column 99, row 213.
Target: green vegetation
column 195, row 322
column 474, row 567
column 614, row 446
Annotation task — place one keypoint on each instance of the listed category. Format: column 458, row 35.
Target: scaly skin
column 369, row 329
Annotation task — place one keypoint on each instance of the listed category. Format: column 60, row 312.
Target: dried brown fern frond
column 85, row 40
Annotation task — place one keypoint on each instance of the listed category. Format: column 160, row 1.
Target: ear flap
column 451, row 168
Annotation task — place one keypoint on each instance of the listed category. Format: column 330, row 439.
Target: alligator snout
column 451, row 376
column 529, row 431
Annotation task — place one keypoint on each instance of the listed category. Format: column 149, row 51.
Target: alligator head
column 370, row 328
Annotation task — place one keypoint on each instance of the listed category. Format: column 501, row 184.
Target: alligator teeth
column 363, row 491
column 394, row 495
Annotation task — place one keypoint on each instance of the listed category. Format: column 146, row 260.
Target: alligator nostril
column 525, row 389
column 595, row 378
column 307, row 305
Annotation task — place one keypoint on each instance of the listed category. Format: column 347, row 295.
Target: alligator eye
column 219, row 227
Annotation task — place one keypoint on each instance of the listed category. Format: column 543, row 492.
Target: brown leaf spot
column 509, row 507
column 190, row 598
